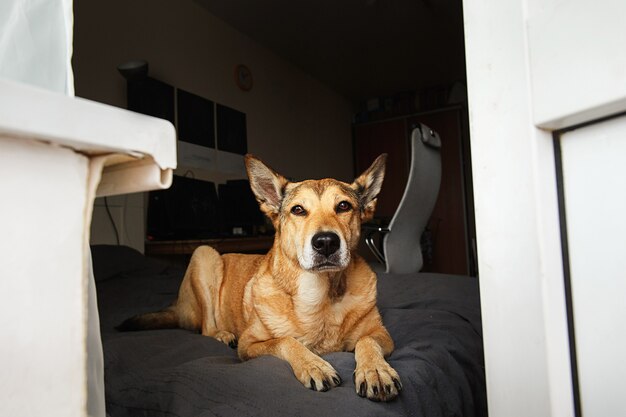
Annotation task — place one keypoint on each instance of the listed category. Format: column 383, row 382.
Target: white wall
column 295, row 123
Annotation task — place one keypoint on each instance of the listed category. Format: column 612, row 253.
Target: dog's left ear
column 267, row 185
column 368, row 185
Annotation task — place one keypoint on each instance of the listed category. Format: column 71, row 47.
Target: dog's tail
column 164, row 319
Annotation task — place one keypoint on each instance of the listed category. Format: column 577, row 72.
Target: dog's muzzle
column 326, row 243
column 327, row 252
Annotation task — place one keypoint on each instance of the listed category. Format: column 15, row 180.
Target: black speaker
column 187, row 210
column 239, row 209
column 152, row 97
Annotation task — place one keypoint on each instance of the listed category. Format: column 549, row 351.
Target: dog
column 311, row 294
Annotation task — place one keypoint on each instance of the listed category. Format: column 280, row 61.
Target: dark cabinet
column 389, row 137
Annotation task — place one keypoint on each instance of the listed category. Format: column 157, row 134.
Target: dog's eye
column 343, row 207
column 298, row 210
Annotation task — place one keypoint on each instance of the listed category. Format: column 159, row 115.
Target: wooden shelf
column 257, row 244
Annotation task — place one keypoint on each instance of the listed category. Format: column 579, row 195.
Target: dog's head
column 317, row 222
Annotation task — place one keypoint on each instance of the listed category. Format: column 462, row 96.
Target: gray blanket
column 433, row 319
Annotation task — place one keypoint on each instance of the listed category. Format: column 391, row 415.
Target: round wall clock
column 243, row 77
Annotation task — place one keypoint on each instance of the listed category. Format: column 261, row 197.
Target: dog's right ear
column 267, row 185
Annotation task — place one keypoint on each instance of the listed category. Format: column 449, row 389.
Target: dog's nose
column 325, row 243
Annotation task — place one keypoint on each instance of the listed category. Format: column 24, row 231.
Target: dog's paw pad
column 378, row 382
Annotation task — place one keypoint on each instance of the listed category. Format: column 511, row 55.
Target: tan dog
column 310, row 295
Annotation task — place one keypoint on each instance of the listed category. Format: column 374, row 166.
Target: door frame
column 512, row 67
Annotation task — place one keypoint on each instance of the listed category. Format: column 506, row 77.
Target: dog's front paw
column 317, row 374
column 227, row 338
column 377, row 381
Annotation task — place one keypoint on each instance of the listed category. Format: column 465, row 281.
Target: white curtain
column 36, row 43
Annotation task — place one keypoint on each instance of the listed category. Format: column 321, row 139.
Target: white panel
column 220, row 163
column 595, row 200
column 519, row 252
column 577, row 60
column 36, row 43
column 43, row 308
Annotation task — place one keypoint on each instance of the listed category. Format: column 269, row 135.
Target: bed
column 433, row 319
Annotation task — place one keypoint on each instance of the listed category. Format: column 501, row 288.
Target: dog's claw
column 362, row 389
column 380, row 383
column 337, row 380
column 317, row 374
column 398, row 384
column 223, row 336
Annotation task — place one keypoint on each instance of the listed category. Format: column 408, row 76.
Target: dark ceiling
column 360, row 48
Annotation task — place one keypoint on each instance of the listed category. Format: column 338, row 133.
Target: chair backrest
column 401, row 244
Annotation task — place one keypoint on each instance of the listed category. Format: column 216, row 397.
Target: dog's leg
column 374, row 378
column 311, row 370
column 199, row 293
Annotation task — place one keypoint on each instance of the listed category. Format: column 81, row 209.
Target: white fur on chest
column 313, row 296
column 321, row 318
column 312, row 292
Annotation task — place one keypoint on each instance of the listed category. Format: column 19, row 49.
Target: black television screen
column 187, row 210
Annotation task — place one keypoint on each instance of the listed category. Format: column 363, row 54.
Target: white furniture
column 549, row 199
column 56, row 154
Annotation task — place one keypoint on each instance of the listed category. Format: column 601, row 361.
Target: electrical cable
column 106, row 206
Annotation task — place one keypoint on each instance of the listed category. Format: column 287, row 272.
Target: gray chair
column 401, row 249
